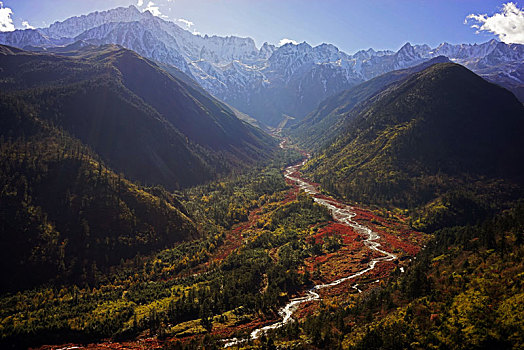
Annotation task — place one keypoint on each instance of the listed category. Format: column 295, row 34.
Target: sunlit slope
column 418, row 137
column 323, row 123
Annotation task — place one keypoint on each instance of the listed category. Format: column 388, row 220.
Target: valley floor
column 338, row 248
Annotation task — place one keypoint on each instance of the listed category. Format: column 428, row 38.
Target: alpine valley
column 160, row 189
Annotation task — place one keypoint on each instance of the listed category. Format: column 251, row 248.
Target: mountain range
column 268, row 83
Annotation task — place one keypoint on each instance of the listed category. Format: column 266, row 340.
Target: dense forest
column 235, row 274
column 156, row 293
column 64, row 215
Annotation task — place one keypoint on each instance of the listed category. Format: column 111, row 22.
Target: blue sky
column 350, row 25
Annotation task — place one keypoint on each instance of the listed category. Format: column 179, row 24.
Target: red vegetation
column 291, row 195
column 146, row 343
column 398, row 243
column 335, row 228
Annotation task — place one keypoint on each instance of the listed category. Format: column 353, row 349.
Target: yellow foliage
column 469, row 316
column 511, row 316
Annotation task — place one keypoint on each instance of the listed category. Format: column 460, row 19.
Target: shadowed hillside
column 65, row 216
column 142, row 121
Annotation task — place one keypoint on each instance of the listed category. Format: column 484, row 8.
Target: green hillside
column 323, row 124
column 448, row 145
column 442, row 129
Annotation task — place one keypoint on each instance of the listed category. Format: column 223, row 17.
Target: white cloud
column 287, row 41
column 139, row 3
column 6, row 22
column 508, row 25
column 27, row 25
column 154, row 9
column 188, row 24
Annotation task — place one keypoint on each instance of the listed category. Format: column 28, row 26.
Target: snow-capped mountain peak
column 266, row 82
column 74, row 26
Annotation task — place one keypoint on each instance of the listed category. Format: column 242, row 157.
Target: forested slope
column 140, row 119
column 328, row 119
column 442, row 129
column 65, row 216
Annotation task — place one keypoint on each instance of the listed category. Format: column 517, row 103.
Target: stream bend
column 341, row 213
